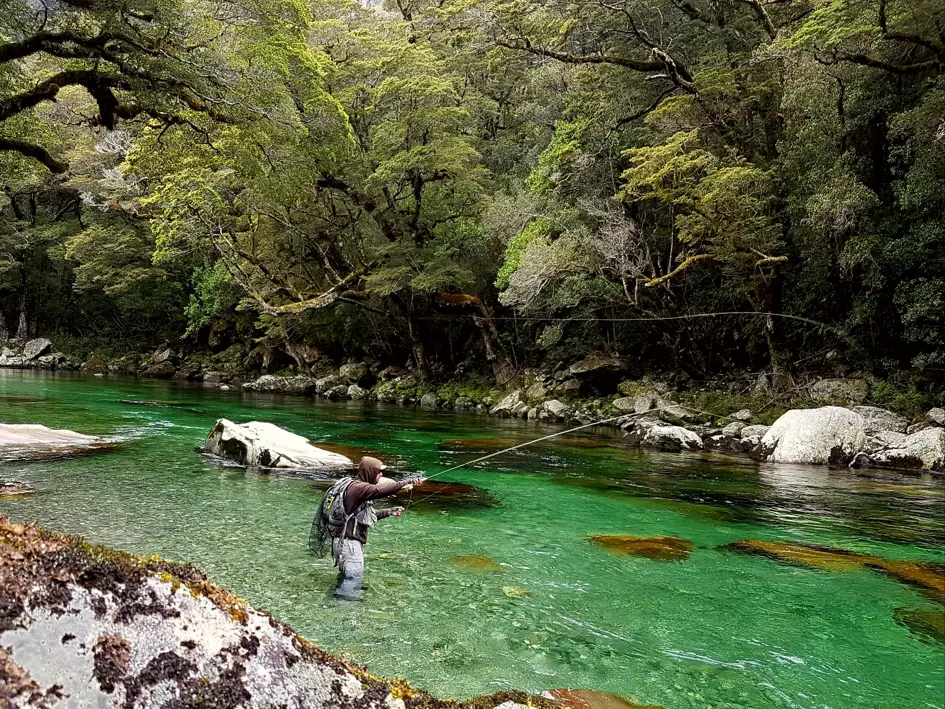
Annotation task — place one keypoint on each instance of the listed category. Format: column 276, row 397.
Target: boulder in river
column 671, row 438
column 923, row 449
column 266, row 445
column 29, row 442
column 85, row 626
column 37, row 347
column 658, row 548
column 830, row 435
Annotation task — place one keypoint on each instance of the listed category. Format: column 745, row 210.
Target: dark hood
column 368, row 469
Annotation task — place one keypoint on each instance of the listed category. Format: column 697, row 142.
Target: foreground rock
column 830, row 435
column 267, row 445
column 93, row 627
column 29, row 442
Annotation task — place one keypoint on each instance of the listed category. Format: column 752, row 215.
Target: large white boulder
column 296, row 386
column 266, row 445
column 828, row 435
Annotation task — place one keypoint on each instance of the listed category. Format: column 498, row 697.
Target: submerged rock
column 267, row 445
column 30, row 442
column 591, row 699
column 474, row 563
column 658, row 548
column 928, row 577
column 824, row 436
column 101, row 628
column 14, row 488
column 926, row 622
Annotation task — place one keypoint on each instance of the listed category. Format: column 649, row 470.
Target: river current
column 500, row 586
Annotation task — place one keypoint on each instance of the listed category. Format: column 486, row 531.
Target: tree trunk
column 4, row 333
column 22, row 331
column 502, row 368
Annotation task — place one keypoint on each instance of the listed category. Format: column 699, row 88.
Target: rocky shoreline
column 842, row 431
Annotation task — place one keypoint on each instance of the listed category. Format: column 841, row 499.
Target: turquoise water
column 719, row 629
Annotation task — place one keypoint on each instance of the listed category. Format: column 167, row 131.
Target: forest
column 480, row 186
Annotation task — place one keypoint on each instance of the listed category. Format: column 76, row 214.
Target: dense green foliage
column 491, row 184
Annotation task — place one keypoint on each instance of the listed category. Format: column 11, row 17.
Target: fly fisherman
column 348, row 523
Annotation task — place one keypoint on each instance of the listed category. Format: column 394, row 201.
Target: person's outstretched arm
column 389, row 512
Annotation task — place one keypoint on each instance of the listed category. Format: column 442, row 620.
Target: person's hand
column 398, row 511
column 419, row 480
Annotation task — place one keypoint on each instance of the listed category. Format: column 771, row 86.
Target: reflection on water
column 495, row 581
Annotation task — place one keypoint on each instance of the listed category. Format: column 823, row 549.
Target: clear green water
column 717, row 630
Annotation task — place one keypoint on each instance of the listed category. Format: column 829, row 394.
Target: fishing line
column 539, row 440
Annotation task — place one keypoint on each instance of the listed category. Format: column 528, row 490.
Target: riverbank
column 828, row 420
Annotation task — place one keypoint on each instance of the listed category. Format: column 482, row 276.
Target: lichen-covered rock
column 430, row 401
column 924, row 449
column 355, row 373
column 28, row 441
column 936, row 416
column 337, row 392
column 554, row 410
column 295, row 386
column 642, row 403
column 265, row 444
column 734, row 429
column 162, row 370
column 671, row 438
column 536, row 393
column 624, row 405
column 509, row 402
column 84, row 626
column 37, row 347
column 752, row 435
column 679, row 415
column 323, row 384
column 743, row 415
column 840, row 391
column 876, row 419
column 165, row 355
column 356, row 393
column 828, row 435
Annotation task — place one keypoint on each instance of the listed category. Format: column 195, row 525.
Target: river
column 502, row 588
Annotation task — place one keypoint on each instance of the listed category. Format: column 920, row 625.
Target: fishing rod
column 539, row 440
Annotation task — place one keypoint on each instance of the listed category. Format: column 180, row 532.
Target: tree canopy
column 485, row 183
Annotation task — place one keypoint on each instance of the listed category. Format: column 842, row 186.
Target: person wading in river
column 349, row 531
